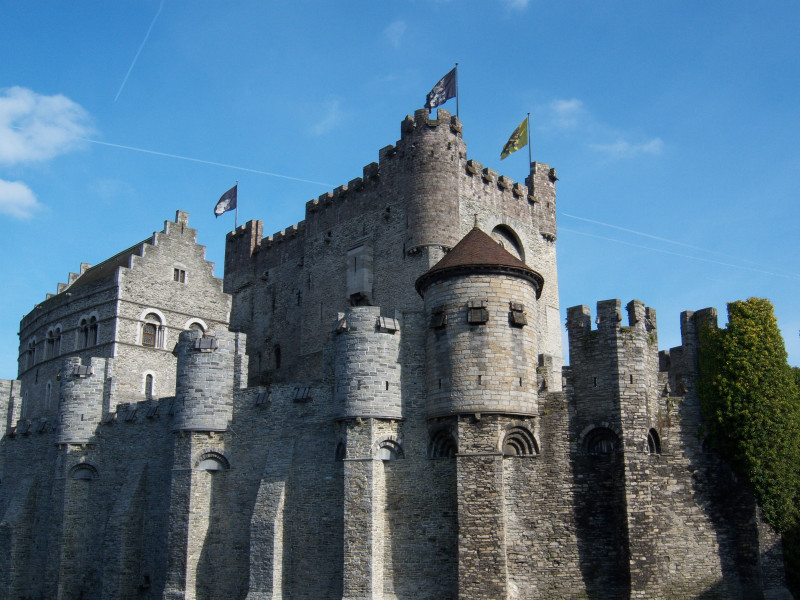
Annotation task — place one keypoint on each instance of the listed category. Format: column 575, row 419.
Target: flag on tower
column 227, row 201
column 444, row 89
column 517, row 140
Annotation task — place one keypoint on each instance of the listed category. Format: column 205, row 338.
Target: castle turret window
column 153, row 331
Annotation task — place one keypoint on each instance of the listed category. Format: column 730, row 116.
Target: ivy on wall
column 751, row 407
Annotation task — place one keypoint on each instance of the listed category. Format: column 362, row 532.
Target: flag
column 227, row 202
column 444, row 89
column 517, row 140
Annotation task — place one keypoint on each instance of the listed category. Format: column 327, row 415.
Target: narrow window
column 277, row 353
column 149, row 335
column 92, row 337
column 148, row 387
column 179, row 275
column 57, row 344
column 83, row 334
column 51, row 344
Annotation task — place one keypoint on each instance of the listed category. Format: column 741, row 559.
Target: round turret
column 434, row 154
column 481, row 344
column 205, row 380
column 367, row 371
column 80, row 408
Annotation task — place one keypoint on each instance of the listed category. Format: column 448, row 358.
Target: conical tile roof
column 478, row 252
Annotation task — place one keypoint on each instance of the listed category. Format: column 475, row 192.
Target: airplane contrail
column 690, row 257
column 205, row 162
column 139, row 51
column 668, row 241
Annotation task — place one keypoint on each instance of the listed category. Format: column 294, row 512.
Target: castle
column 371, row 405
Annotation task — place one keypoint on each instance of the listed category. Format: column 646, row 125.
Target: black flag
column 444, row 89
column 227, row 202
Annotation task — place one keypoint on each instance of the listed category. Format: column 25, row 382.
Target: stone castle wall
column 349, row 438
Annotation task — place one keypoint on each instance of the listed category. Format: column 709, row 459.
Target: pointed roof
column 478, row 252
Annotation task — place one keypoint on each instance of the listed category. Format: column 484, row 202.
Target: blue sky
column 674, row 128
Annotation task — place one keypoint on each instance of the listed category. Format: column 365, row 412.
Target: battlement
column 425, row 157
column 641, row 318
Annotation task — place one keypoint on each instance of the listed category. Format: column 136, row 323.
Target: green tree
column 751, row 407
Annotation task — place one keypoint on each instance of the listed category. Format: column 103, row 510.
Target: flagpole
column 236, row 214
column 457, row 89
column 528, row 128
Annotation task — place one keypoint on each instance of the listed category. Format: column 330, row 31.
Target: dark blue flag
column 444, row 89
column 227, row 202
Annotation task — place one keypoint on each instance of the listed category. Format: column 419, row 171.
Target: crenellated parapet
column 679, row 364
column 614, row 368
column 210, row 368
column 80, row 408
column 367, row 367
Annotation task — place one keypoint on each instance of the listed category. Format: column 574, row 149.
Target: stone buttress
column 210, row 368
column 367, row 387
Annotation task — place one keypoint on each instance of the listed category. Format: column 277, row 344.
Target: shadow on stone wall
column 601, row 525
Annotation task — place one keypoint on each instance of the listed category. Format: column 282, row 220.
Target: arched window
column 508, row 239
column 51, row 345
column 83, row 333
column 83, row 472
column 48, row 394
column 196, row 326
column 519, row 441
column 443, row 445
column 153, row 331
column 390, row 450
column 653, row 442
column 212, row 462
column 92, row 337
column 31, row 352
column 57, row 342
column 148, row 386
column 602, row 440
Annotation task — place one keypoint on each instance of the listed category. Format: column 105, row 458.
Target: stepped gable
column 478, row 252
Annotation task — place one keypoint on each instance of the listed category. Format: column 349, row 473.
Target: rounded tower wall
column 367, row 371
column 475, row 366
column 205, row 380
column 435, row 155
column 80, row 407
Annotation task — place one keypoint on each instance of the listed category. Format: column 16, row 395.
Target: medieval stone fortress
column 371, row 405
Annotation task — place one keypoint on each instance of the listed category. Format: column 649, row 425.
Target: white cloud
column 332, row 116
column 394, row 32
column 566, row 114
column 34, row 127
column 17, row 200
column 570, row 117
column 624, row 149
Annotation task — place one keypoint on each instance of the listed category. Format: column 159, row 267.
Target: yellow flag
column 517, row 140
